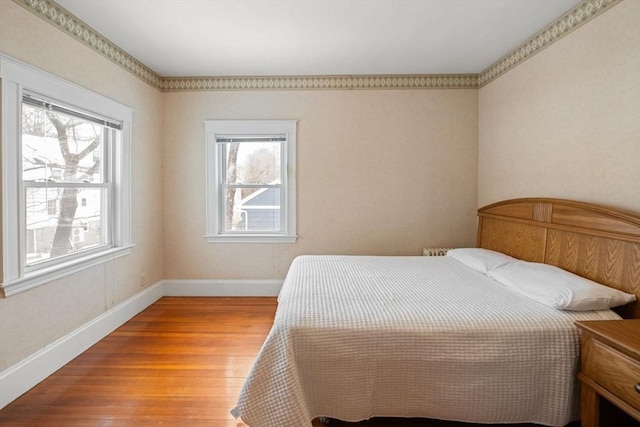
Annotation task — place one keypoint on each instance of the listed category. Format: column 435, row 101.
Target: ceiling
column 185, row 38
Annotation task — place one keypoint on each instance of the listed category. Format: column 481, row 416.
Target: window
column 250, row 180
column 67, row 166
column 52, row 205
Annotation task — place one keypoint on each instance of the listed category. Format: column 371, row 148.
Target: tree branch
column 94, row 144
column 91, row 171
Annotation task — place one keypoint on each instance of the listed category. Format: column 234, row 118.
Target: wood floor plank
column 179, row 363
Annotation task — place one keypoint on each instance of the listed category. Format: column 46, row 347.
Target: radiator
column 435, row 251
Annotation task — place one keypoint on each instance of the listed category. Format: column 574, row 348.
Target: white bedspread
column 356, row 337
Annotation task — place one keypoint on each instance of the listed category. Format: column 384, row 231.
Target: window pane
column 60, row 147
column 253, row 163
column 260, row 211
column 58, row 223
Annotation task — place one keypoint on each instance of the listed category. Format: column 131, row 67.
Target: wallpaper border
column 453, row 81
column 65, row 21
column 579, row 15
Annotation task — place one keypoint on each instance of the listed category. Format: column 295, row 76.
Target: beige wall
column 379, row 172
column 31, row 320
column 566, row 123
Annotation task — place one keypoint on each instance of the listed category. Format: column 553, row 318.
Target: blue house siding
column 261, row 219
column 268, row 197
column 261, row 212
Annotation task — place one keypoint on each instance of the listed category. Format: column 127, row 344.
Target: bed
column 356, row 337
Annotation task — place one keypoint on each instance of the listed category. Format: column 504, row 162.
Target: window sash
column 281, row 229
column 106, row 226
column 225, row 185
column 227, row 139
column 37, row 100
column 70, row 257
column 219, row 133
column 109, row 136
column 56, row 184
column 223, row 142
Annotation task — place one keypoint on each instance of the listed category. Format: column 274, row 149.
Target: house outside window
column 260, row 210
column 250, row 180
column 52, row 205
column 67, row 166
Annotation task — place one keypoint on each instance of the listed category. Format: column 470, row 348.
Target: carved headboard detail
column 596, row 242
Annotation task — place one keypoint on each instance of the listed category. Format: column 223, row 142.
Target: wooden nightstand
column 610, row 370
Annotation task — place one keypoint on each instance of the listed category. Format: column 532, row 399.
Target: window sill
column 251, row 238
column 40, row 277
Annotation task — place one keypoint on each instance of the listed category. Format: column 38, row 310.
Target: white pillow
column 479, row 259
column 558, row 288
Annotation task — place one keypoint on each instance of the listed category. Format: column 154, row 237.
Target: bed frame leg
column 324, row 420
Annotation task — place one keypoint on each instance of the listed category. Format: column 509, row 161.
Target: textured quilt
column 357, row 336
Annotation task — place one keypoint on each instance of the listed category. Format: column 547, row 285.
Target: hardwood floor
column 181, row 362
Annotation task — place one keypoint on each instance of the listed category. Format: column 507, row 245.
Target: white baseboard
column 19, row 378
column 222, row 288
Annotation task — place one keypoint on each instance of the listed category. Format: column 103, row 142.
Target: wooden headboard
column 599, row 243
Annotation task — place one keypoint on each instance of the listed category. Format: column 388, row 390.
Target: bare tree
column 260, row 167
column 232, row 178
column 69, row 200
column 33, row 122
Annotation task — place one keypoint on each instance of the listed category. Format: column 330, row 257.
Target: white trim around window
column 280, row 130
column 18, row 77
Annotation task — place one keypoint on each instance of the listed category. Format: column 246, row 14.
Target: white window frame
column 215, row 232
column 16, row 78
